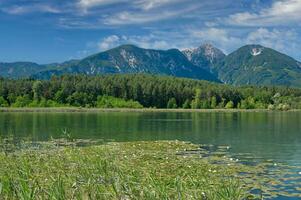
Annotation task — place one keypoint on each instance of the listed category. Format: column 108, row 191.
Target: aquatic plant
column 129, row 170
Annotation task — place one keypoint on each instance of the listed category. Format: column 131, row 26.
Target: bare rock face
column 256, row 51
column 205, row 56
column 132, row 59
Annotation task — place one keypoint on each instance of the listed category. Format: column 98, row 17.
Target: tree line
column 140, row 90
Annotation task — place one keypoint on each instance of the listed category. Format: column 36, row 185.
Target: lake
column 256, row 136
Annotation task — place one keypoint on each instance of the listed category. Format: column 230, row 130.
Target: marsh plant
column 133, row 170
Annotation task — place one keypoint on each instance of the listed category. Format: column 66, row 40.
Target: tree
column 186, row 104
column 172, row 103
column 213, row 102
column 3, row 102
column 229, row 105
column 22, row 101
column 60, row 96
column 248, row 103
column 37, row 89
column 196, row 102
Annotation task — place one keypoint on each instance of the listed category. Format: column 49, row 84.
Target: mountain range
column 249, row 65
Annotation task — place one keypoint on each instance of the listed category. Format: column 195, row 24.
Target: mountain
column 19, row 69
column 132, row 59
column 249, row 65
column 258, row 65
column 205, row 56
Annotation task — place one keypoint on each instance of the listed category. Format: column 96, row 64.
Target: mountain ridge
column 251, row 64
column 133, row 59
column 258, row 65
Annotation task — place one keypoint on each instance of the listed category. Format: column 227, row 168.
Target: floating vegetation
column 85, row 169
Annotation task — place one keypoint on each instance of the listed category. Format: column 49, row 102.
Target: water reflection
column 267, row 135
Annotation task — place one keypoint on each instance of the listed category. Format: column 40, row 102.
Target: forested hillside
column 135, row 91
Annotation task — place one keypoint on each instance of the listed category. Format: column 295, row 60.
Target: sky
column 47, row 31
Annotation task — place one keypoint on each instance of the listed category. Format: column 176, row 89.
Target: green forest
column 140, row 90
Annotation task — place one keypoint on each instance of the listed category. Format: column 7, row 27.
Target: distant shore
column 95, row 110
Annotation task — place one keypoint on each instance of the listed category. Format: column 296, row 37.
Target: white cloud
column 281, row 13
column 286, row 41
column 150, row 4
column 142, row 4
column 91, row 3
column 217, row 36
column 281, row 40
column 19, row 10
column 149, row 42
column 126, row 18
column 109, row 42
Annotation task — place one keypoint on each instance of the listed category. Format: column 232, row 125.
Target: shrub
column 271, row 107
column 113, row 102
column 172, row 103
column 22, row 101
column 186, row 104
column 3, row 102
column 283, row 107
column 229, row 105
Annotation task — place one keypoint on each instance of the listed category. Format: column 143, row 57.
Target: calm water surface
column 263, row 136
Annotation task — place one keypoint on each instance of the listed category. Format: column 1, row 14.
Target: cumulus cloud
column 217, row 36
column 281, row 40
column 282, row 13
column 286, row 41
column 148, row 41
column 109, row 42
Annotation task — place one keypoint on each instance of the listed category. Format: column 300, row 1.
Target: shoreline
column 99, row 110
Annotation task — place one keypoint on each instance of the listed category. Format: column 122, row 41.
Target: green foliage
column 112, row 102
column 269, row 68
column 229, row 105
column 64, row 169
column 22, row 101
column 37, row 89
column 283, row 107
column 186, row 104
column 3, row 102
column 80, row 99
column 172, row 103
column 148, row 90
column 196, row 102
column 213, row 102
column 248, row 103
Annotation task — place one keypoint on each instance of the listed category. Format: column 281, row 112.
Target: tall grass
column 121, row 171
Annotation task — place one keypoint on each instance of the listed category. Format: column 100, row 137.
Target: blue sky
column 46, row 31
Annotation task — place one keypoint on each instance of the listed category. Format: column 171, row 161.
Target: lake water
column 260, row 136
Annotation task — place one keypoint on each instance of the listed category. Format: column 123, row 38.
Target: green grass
column 141, row 170
column 129, row 170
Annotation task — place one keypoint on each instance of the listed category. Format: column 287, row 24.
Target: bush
column 229, row 105
column 186, row 104
column 113, row 102
column 271, row 107
column 248, row 103
column 3, row 102
column 260, row 105
column 22, row 101
column 283, row 107
column 80, row 99
column 172, row 103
